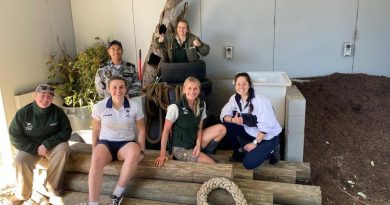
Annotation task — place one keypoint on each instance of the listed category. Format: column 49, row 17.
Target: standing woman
column 190, row 142
column 183, row 46
column 251, row 125
column 114, row 138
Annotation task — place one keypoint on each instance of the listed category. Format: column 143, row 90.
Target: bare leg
column 101, row 156
column 130, row 155
column 203, row 158
column 215, row 132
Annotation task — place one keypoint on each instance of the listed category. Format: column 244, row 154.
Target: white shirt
column 173, row 113
column 117, row 125
column 262, row 108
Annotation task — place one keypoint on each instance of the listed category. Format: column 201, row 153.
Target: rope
column 156, row 103
column 223, row 183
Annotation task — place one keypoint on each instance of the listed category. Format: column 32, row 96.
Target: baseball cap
column 114, row 42
column 45, row 88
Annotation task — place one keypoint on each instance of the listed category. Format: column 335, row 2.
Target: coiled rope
column 156, row 103
column 223, row 183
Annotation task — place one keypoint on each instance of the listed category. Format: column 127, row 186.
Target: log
column 166, row 191
column 172, row 169
column 71, row 197
column 284, row 193
column 302, row 169
column 263, row 172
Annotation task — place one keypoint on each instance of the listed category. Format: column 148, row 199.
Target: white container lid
column 270, row 78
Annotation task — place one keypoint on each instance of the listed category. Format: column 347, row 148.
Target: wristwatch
column 255, row 142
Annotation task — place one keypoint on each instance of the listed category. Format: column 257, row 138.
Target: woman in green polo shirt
column 190, row 142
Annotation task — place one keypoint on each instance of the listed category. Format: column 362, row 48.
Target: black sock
column 209, row 149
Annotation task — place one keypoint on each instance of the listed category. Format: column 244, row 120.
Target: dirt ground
column 347, row 137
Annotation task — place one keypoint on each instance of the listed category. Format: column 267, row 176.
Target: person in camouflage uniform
column 117, row 67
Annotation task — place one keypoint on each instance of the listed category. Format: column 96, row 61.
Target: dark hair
column 251, row 91
column 184, row 21
column 116, row 78
column 114, row 42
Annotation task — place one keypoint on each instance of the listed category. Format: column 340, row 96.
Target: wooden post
column 284, row 193
column 166, row 191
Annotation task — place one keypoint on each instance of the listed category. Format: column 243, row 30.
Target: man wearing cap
column 117, row 67
column 40, row 131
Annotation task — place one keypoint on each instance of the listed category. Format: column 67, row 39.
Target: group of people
column 41, row 130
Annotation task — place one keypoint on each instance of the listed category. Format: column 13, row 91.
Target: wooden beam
column 302, row 169
column 284, row 193
column 166, row 191
column 172, row 169
column 71, row 197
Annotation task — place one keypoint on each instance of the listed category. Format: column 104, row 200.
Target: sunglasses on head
column 44, row 87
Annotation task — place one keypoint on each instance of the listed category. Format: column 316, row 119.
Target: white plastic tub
column 273, row 86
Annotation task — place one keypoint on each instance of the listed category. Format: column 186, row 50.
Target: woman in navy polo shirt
column 114, row 138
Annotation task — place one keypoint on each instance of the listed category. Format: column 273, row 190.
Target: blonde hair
column 192, row 79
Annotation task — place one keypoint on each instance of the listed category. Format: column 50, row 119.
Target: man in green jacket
column 40, row 130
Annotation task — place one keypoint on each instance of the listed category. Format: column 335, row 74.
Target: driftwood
column 285, row 193
column 165, row 191
column 80, row 161
column 168, row 18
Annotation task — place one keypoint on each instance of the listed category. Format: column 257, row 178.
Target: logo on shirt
column 127, row 113
column 53, row 124
column 107, row 115
column 185, row 110
column 28, row 126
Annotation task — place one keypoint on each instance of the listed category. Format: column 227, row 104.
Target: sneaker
column 116, row 200
column 274, row 157
column 237, row 156
column 14, row 201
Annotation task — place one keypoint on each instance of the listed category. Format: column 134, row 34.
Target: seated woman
column 183, row 46
column 251, row 125
column 114, row 138
column 190, row 142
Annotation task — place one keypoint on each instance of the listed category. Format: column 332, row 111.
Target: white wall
column 29, row 30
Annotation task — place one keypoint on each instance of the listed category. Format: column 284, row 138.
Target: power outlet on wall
column 228, row 52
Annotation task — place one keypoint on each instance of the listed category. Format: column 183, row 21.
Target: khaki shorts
column 182, row 154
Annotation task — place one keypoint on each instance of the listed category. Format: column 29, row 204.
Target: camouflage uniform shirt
column 125, row 70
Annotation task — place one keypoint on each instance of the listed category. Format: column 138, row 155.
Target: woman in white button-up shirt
column 251, row 125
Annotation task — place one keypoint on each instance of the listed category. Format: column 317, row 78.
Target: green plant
column 74, row 78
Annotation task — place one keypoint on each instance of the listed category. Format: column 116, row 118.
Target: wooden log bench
column 80, row 161
column 165, row 190
column 302, row 169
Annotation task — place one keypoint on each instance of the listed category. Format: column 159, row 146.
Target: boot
column 237, row 156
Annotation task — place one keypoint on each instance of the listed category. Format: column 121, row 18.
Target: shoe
column 14, row 201
column 274, row 157
column 237, row 156
column 116, row 200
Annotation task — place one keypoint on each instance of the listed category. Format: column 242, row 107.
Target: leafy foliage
column 74, row 78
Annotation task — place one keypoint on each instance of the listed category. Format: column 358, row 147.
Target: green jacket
column 186, row 126
column 191, row 51
column 33, row 126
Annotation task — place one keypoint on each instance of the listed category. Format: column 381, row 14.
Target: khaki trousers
column 25, row 163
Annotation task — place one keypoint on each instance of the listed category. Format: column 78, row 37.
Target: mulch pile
column 347, row 137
